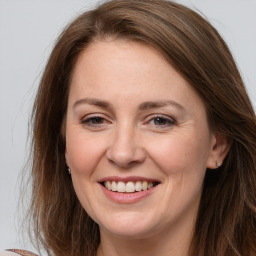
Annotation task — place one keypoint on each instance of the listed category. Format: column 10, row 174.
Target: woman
column 144, row 138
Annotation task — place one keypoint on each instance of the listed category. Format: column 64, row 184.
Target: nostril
column 123, row 163
column 124, row 153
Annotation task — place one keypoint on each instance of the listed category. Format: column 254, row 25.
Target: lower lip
column 127, row 198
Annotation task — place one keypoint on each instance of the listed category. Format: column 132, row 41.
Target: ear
column 220, row 146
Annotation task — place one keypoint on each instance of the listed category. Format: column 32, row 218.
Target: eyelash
column 89, row 121
column 167, row 121
column 100, row 121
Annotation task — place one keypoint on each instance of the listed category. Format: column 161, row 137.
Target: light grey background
column 28, row 29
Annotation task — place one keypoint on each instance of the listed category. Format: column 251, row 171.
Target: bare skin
column 131, row 116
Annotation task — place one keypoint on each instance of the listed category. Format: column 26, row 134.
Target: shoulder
column 16, row 252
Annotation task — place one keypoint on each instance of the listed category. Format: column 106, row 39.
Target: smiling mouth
column 129, row 187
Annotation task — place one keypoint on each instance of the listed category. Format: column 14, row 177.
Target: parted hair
column 226, row 220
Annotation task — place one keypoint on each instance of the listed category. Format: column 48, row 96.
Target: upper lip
column 126, row 179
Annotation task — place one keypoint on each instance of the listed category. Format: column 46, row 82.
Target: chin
column 129, row 225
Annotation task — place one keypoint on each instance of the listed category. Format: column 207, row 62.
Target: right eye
column 94, row 121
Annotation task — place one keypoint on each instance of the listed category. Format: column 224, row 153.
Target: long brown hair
column 226, row 222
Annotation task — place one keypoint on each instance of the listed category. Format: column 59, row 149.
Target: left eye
column 161, row 121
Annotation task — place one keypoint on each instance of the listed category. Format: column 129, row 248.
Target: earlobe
column 219, row 149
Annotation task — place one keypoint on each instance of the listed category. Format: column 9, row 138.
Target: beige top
column 16, row 253
column 5, row 253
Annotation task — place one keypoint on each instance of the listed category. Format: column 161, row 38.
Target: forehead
column 128, row 71
column 128, row 57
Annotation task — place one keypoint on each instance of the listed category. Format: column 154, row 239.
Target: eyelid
column 152, row 116
column 87, row 118
column 171, row 120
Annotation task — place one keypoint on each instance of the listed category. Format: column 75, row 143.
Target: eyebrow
column 143, row 106
column 92, row 101
column 160, row 104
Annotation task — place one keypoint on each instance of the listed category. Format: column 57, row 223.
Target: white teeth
column 138, row 186
column 113, row 186
column 121, row 186
column 144, row 185
column 150, row 185
column 128, row 187
column 108, row 185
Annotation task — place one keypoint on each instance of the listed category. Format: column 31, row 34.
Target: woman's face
column 137, row 140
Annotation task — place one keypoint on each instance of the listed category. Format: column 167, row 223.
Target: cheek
column 183, row 162
column 83, row 152
column 181, row 155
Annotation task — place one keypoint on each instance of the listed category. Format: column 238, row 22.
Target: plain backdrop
column 28, row 29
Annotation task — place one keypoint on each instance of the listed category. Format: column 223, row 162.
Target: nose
column 126, row 148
